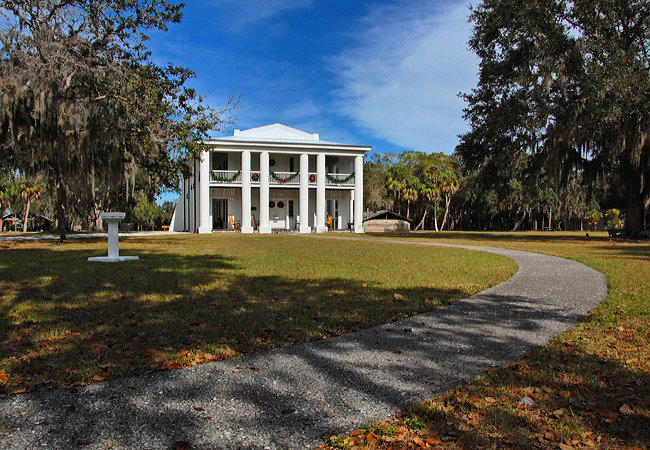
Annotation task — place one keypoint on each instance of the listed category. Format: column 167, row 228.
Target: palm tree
column 29, row 192
column 449, row 185
column 395, row 182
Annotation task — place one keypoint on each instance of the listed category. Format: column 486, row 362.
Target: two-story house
column 273, row 178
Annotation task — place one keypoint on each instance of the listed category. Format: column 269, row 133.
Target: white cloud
column 401, row 79
column 246, row 12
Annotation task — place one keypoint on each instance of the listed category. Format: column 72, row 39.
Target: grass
column 591, row 385
column 195, row 299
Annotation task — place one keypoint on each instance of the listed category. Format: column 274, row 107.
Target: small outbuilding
column 385, row 221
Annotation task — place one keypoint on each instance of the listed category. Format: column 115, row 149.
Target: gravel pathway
column 289, row 397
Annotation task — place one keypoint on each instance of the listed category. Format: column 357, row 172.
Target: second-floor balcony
column 234, row 177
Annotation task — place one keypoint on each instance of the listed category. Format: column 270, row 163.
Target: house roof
column 383, row 214
column 279, row 134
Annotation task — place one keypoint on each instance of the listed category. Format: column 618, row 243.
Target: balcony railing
column 225, row 176
column 281, row 178
column 287, row 178
column 339, row 179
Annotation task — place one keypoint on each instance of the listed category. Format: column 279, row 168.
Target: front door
column 277, row 213
column 219, row 214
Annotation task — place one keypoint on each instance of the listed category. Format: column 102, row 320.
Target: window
column 291, row 207
column 291, row 164
column 219, row 161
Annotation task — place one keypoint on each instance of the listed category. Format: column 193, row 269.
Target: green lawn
column 591, row 385
column 193, row 299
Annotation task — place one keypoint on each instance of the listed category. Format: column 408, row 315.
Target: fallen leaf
column 419, row 442
column 559, row 412
column 565, row 447
column 372, row 438
column 3, row 376
column 565, row 394
column 398, row 296
column 625, row 409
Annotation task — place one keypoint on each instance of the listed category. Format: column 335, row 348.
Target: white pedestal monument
column 112, row 219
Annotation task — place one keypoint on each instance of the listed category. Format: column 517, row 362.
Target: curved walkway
column 289, row 397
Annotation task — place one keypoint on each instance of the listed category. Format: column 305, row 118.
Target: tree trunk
column 519, row 222
column 635, row 213
column 26, row 215
column 435, row 215
column 408, row 209
column 444, row 220
column 421, row 224
column 636, row 175
column 61, row 200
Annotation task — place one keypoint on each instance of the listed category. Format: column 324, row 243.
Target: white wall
column 178, row 218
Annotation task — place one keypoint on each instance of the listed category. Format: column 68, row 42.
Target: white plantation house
column 273, row 178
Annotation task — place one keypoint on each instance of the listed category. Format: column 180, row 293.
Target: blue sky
column 379, row 73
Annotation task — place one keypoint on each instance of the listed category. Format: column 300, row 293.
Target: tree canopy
column 568, row 81
column 83, row 105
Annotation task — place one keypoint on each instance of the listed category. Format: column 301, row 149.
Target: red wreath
column 312, row 177
column 280, row 204
column 256, row 176
column 271, row 204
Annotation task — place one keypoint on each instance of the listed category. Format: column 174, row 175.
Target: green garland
column 221, row 179
column 283, row 180
column 339, row 180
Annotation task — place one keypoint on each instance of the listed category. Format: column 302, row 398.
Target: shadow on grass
column 578, row 400
column 218, row 404
column 412, row 360
column 69, row 321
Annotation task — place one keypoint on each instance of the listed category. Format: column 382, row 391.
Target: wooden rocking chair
column 256, row 224
column 232, row 223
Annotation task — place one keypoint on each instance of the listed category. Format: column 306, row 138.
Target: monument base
column 109, row 259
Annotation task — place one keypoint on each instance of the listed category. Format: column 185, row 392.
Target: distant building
column 385, row 221
column 280, row 177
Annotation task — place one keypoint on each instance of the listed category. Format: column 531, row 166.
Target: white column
column 358, row 194
column 304, row 193
column 113, row 240
column 246, row 226
column 350, row 208
column 264, row 193
column 320, row 193
column 204, row 216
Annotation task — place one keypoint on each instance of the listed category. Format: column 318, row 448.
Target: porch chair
column 256, row 224
column 232, row 223
column 329, row 221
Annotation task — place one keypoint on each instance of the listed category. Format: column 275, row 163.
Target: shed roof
column 383, row 214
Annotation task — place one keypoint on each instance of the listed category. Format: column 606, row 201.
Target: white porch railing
column 281, row 178
column 225, row 176
column 339, row 179
column 286, row 178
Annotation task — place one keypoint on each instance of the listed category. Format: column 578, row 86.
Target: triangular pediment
column 276, row 131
